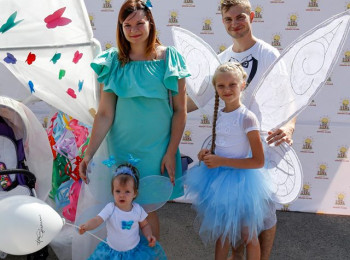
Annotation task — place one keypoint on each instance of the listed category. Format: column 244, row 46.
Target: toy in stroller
column 23, row 146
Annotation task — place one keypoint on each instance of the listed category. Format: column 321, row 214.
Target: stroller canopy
column 35, row 142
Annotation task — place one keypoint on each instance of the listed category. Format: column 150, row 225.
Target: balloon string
column 69, row 224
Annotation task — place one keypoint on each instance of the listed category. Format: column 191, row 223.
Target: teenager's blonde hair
column 227, row 4
column 235, row 68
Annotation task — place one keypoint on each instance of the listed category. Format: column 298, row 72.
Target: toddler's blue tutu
column 230, row 203
column 141, row 251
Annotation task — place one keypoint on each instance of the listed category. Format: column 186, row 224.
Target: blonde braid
column 215, row 117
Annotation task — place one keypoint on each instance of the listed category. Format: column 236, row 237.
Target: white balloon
column 27, row 224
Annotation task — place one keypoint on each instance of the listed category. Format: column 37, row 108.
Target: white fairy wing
column 202, row 62
column 285, row 172
column 295, row 77
column 49, row 50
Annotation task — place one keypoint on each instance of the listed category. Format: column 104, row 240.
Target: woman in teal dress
column 135, row 112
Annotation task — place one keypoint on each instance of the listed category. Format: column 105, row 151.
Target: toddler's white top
column 123, row 226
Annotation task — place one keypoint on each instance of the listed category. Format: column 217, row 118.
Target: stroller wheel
column 42, row 254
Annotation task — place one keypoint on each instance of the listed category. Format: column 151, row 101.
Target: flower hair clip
column 148, row 4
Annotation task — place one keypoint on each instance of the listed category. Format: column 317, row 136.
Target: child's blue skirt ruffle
column 141, row 251
column 230, row 203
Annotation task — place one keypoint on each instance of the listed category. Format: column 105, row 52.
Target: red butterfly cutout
column 56, row 19
column 77, row 57
column 30, row 58
column 71, row 92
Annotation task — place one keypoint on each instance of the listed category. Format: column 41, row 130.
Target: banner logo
column 344, row 107
column 329, row 81
column 285, row 207
column 91, row 19
column 324, row 125
column 221, row 48
column 307, row 145
column 108, row 45
column 292, row 22
column 187, row 137
column 322, row 171
column 205, row 122
column 258, row 15
column 346, row 59
column 107, row 6
column 339, row 201
column 206, row 28
column 188, row 3
column 218, row 9
column 173, row 20
column 276, row 41
column 312, row 103
column 305, row 192
column 313, row 6
column 342, row 154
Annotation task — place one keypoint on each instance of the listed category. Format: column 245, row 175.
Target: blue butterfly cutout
column 127, row 224
column 110, row 161
column 10, row 59
column 148, row 4
column 80, row 85
column 133, row 161
column 31, row 86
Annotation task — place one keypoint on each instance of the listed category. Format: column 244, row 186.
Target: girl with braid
column 231, row 194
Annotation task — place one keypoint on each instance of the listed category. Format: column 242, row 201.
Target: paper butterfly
column 61, row 74
column 127, row 224
column 10, row 23
column 77, row 57
column 110, row 161
column 133, row 161
column 31, row 58
column 31, row 86
column 71, row 92
column 80, row 85
column 56, row 19
column 10, row 59
column 55, row 58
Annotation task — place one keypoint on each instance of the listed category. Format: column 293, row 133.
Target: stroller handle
column 31, row 177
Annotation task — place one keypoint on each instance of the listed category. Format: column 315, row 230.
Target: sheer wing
column 298, row 74
column 42, row 57
column 202, row 61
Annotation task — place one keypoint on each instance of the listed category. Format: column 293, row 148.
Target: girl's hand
column 151, row 241
column 212, row 160
column 168, row 163
column 202, row 153
column 82, row 169
column 82, row 229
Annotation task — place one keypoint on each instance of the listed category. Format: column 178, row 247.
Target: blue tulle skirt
column 230, row 203
column 141, row 251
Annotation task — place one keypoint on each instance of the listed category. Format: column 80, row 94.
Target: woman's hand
column 202, row 153
column 83, row 168
column 212, row 160
column 168, row 163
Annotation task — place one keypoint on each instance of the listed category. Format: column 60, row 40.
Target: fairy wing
column 306, row 64
column 202, row 61
column 40, row 52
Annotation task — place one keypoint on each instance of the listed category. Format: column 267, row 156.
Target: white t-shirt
column 231, row 132
column 255, row 61
column 122, row 226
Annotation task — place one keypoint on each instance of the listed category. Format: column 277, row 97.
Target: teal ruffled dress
column 142, row 123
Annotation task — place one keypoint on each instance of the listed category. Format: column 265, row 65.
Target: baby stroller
column 23, row 145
